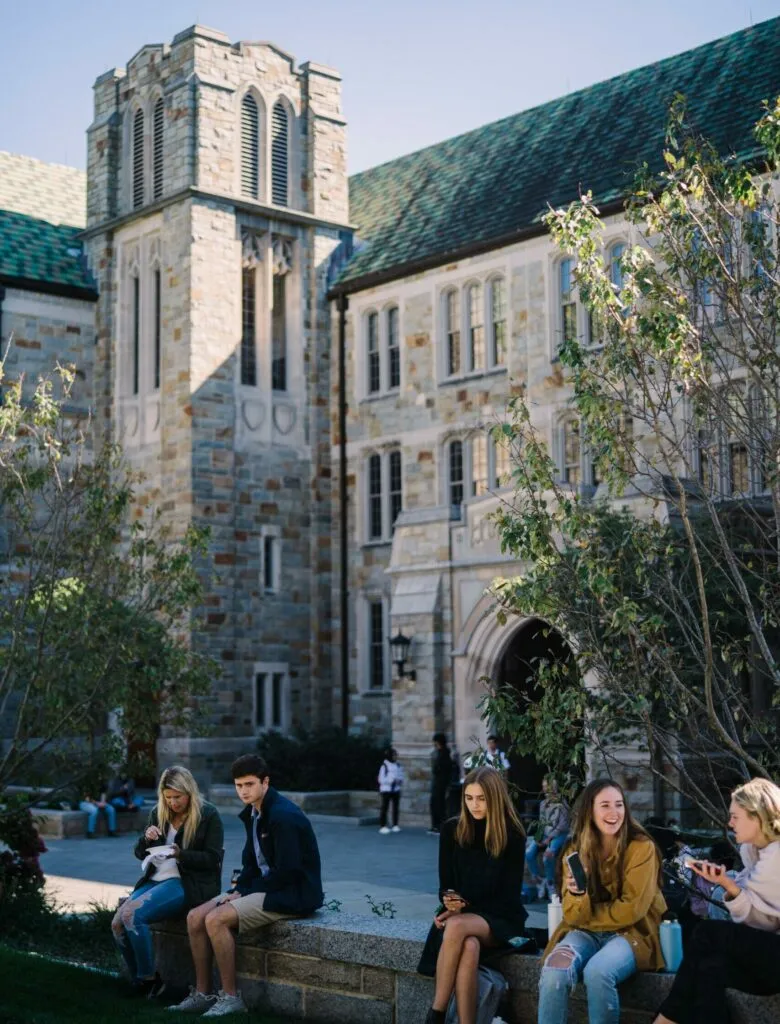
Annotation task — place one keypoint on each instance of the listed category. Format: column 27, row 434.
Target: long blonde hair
column 501, row 815
column 761, row 799
column 586, row 840
column 183, row 781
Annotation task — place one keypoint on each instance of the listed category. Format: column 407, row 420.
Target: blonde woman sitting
column 181, row 850
column 743, row 953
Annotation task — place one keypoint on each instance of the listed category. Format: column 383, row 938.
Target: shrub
column 325, row 759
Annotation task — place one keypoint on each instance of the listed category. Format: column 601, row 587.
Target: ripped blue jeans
column 601, row 960
column 150, row 902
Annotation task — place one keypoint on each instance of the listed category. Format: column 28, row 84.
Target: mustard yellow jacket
column 635, row 912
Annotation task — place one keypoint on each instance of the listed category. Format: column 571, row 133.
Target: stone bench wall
column 336, row 968
column 67, row 824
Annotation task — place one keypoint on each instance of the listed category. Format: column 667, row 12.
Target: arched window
column 452, row 331
column 280, row 155
column 475, row 330
column 158, row 120
column 138, row 159
column 250, row 147
column 393, row 349
column 497, row 307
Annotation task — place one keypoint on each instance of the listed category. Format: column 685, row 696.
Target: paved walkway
column 357, row 862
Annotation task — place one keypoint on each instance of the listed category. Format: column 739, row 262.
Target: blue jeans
column 93, row 811
column 602, row 960
column 150, row 902
column 532, row 858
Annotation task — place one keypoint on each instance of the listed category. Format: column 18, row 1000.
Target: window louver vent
column 280, row 132
column 157, row 149
column 250, row 147
column 138, row 159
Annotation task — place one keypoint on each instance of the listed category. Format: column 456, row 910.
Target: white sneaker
column 541, row 891
column 396, row 828
column 226, row 1004
column 384, row 831
column 195, row 1002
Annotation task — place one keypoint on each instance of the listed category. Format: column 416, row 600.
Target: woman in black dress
column 481, row 860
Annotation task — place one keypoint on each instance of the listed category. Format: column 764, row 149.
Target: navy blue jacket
column 294, row 879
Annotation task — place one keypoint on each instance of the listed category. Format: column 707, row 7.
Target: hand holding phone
column 577, row 873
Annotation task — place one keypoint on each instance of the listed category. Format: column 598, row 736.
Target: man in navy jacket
column 280, row 878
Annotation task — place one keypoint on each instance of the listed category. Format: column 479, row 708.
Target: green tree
column 95, row 598
column 665, row 582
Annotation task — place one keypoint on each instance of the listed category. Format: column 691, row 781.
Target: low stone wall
column 67, row 824
column 362, row 805
column 338, row 969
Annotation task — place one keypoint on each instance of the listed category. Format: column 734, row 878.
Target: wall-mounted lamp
column 399, row 645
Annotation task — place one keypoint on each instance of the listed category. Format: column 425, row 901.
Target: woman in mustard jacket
column 610, row 929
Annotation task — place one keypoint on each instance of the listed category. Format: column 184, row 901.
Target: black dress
column 492, row 887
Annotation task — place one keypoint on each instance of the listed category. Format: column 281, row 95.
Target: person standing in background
column 441, row 778
column 391, row 780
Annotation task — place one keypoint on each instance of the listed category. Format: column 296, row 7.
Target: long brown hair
column 183, row 781
column 500, row 817
column 586, row 840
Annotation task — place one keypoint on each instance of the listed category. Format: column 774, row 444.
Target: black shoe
column 158, row 989
column 143, row 986
column 436, row 1016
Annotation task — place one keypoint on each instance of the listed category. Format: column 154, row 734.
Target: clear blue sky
column 415, row 71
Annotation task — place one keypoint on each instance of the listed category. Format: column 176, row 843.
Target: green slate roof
column 497, row 181
column 33, row 250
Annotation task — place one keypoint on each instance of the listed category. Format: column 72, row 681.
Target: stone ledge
column 56, row 824
column 334, row 968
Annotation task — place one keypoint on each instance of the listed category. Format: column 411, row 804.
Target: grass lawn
column 34, row 990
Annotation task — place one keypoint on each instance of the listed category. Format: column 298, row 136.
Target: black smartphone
column 577, row 871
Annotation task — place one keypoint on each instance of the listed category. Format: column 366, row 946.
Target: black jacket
column 200, row 865
column 294, row 879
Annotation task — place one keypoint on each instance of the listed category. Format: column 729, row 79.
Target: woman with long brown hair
column 481, row 857
column 610, row 928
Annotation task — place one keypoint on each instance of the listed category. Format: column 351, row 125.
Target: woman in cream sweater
column 743, row 953
column 610, row 929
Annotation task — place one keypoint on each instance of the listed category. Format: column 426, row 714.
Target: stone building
column 456, row 299
column 232, row 262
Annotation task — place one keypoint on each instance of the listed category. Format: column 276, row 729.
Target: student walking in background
column 743, row 953
column 480, row 886
column 552, row 832
column 181, row 850
column 441, row 779
column 391, row 780
column 610, row 928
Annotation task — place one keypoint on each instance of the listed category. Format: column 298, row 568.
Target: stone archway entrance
column 518, row 666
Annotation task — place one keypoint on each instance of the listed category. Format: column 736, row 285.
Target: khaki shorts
column 251, row 914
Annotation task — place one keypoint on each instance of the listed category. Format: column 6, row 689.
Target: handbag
column 491, row 988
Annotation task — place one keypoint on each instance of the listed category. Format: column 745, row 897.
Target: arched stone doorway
column 518, row 666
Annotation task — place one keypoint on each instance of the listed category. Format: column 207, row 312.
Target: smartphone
column 577, row 871
column 692, row 862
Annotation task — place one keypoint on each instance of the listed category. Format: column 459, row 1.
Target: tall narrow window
column 498, row 320
column 260, row 699
column 615, row 265
column 706, row 475
column 157, row 148
column 157, row 326
column 476, row 327
column 270, row 564
column 280, row 155
column 479, row 465
column 248, row 312
column 250, row 147
column 502, row 464
column 277, row 700
column 136, row 330
column 279, row 334
column 452, row 331
column 372, row 344
column 568, row 303
column 395, row 480
column 456, row 477
column 375, row 497
column 571, row 453
column 138, row 159
column 376, row 645
column 393, row 350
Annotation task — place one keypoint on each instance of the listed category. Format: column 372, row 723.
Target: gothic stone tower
column 217, row 193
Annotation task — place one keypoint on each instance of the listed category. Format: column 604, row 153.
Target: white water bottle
column 554, row 914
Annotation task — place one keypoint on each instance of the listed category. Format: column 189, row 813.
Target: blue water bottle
column 671, row 945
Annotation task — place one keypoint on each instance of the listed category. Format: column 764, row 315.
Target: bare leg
column 660, row 1019
column 221, row 925
column 466, row 981
column 200, row 946
column 456, row 931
